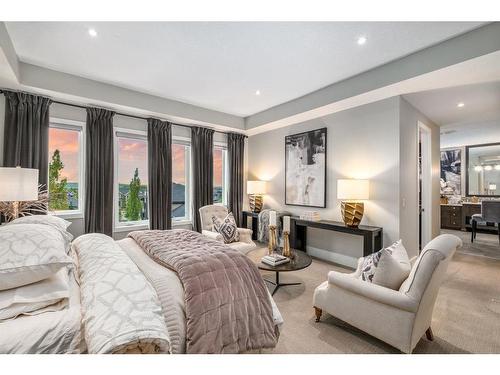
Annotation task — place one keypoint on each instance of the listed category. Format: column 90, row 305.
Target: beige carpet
column 466, row 317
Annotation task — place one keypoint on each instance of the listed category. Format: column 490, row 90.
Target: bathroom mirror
column 483, row 170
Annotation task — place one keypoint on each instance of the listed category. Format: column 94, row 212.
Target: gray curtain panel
column 99, row 172
column 202, row 150
column 236, row 156
column 160, row 174
column 26, row 134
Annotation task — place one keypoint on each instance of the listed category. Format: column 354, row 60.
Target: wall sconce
column 256, row 191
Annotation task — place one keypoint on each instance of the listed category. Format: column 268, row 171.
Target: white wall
column 470, row 133
column 409, row 117
column 362, row 142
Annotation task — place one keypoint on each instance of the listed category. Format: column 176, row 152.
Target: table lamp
column 352, row 192
column 256, row 191
column 18, row 184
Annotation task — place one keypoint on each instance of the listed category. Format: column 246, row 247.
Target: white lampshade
column 353, row 189
column 18, row 184
column 256, row 187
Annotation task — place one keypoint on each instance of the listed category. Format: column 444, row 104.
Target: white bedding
column 171, row 294
column 49, row 333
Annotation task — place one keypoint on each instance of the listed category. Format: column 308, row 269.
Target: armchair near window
column 245, row 243
column 397, row 317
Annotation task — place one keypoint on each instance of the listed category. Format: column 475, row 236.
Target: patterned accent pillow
column 369, row 266
column 388, row 267
column 227, row 228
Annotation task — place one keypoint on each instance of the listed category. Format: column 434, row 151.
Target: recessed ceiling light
column 361, row 40
column 92, row 33
column 460, row 105
column 257, row 92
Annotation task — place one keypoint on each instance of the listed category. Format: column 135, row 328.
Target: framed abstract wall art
column 305, row 169
column 451, row 172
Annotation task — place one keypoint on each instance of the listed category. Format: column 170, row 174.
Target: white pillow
column 56, row 222
column 30, row 253
column 43, row 219
column 51, row 294
column 388, row 267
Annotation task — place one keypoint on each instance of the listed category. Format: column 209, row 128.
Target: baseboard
column 331, row 256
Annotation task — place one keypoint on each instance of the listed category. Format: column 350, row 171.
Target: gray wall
column 362, row 142
column 409, row 117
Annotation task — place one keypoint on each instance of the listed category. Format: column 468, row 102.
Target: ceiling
column 221, row 65
column 481, row 102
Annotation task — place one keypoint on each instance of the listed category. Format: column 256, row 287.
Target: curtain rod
column 118, row 113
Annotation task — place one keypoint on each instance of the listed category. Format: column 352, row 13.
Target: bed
column 171, row 294
column 122, row 300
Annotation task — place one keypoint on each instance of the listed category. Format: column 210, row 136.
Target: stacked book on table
column 310, row 216
column 274, row 260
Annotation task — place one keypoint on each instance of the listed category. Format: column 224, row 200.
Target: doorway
column 424, row 185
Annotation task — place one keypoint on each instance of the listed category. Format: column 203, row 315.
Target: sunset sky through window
column 132, row 154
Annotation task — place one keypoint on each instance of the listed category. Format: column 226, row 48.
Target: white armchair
column 245, row 243
column 397, row 317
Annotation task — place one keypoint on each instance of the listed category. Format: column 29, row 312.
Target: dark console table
column 372, row 236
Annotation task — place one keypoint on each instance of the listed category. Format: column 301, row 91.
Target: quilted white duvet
column 121, row 312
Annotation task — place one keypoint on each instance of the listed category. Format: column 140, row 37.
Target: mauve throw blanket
column 227, row 304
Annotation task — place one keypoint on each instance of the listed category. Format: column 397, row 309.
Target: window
column 220, row 174
column 131, row 179
column 65, row 174
column 181, row 155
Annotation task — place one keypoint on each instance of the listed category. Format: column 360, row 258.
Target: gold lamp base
column 255, row 201
column 352, row 213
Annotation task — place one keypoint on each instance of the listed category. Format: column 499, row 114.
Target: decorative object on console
column 256, row 191
column 286, row 237
column 271, row 246
column 18, row 191
column 310, row 215
column 305, row 169
column 451, row 172
column 350, row 192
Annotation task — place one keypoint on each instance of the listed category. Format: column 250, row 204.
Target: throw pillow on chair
column 227, row 228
